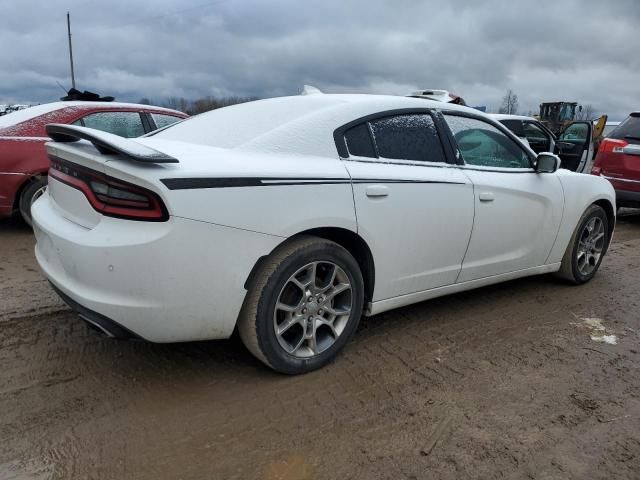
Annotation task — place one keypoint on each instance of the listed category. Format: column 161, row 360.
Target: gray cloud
column 574, row 50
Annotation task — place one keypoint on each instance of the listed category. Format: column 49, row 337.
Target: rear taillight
column 608, row 147
column 612, row 145
column 110, row 196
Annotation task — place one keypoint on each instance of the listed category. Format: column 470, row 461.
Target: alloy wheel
column 590, row 246
column 313, row 309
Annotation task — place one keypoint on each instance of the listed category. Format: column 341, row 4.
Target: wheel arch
column 611, row 216
column 28, row 180
column 347, row 239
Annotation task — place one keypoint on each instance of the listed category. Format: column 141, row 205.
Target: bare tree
column 509, row 103
column 177, row 103
column 587, row 113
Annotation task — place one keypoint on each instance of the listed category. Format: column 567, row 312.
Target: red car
column 23, row 160
column 618, row 160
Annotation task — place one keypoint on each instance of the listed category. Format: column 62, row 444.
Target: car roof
column 20, row 116
column 505, row 116
column 301, row 124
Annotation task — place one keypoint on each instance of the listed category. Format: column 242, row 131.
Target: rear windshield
column 233, row 126
column 628, row 130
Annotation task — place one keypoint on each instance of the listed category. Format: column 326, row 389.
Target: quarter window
column 124, row 124
column 359, row 141
column 482, row 144
column 407, row 137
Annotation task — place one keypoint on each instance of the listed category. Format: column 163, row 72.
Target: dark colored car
column 618, row 161
column 23, row 160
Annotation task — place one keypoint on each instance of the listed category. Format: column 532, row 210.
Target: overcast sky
column 584, row 51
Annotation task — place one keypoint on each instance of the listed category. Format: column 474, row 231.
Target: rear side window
column 628, row 130
column 359, row 141
column 124, row 124
column 164, row 120
column 407, row 137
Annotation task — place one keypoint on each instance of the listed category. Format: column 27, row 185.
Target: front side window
column 576, row 131
column 407, row 137
column 482, row 144
column 124, row 124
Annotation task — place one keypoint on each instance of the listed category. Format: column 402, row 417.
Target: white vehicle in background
column 288, row 218
column 530, row 131
column 609, row 127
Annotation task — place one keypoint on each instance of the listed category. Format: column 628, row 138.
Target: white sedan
column 291, row 217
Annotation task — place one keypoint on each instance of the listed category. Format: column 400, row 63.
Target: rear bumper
column 173, row 281
column 98, row 321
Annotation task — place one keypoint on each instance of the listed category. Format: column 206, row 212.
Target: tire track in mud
column 496, row 382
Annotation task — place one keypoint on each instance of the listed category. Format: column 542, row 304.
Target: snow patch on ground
column 598, row 330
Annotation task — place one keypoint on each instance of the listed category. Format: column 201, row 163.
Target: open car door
column 575, row 146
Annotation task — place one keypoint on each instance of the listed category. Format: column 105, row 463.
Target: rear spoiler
column 108, row 143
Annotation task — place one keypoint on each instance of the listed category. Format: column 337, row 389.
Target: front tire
column 587, row 247
column 302, row 306
column 29, row 195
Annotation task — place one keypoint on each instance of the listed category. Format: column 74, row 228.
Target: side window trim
column 512, row 136
column 343, row 152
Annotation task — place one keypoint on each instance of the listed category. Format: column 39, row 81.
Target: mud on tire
column 585, row 251
column 281, row 290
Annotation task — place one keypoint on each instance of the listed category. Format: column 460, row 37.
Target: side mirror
column 547, row 162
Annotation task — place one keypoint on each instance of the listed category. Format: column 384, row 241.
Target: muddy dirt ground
column 511, row 381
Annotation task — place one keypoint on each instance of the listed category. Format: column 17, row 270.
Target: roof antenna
column 73, row 75
column 309, row 90
column 63, row 89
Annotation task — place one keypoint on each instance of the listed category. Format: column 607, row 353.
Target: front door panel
column 575, row 147
column 517, row 217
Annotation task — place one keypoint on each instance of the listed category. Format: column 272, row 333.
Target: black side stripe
column 233, row 182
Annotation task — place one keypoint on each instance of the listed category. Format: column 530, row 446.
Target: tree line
column 199, row 105
column 510, row 106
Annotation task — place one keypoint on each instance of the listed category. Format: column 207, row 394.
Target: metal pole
column 73, row 75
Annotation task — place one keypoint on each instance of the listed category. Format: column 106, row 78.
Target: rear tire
column 587, row 247
column 302, row 306
column 30, row 194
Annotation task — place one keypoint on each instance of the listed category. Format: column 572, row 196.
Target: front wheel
column 32, row 192
column 587, row 247
column 303, row 305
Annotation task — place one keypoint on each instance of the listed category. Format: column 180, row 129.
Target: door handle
column 377, row 191
column 486, row 197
